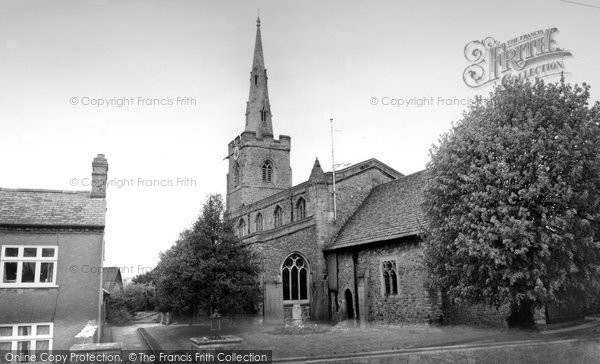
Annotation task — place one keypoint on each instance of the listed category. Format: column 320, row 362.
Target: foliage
column 145, row 278
column 208, row 268
column 513, row 200
column 133, row 298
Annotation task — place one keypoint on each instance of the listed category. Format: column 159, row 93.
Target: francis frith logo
column 534, row 54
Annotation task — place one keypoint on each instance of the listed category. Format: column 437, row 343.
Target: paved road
column 129, row 336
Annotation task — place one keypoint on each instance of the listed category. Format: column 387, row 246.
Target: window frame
column 242, row 228
column 37, row 260
column 236, row 175
column 277, row 216
column 300, row 208
column 396, row 260
column 259, row 218
column 15, row 338
column 267, row 170
column 306, row 266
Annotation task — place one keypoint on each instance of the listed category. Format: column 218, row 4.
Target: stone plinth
column 225, row 342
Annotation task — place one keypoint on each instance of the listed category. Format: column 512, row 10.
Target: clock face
column 236, row 153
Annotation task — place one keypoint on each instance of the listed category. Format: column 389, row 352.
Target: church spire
column 258, row 108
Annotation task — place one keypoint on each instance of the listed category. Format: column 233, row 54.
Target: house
column 111, row 280
column 51, row 252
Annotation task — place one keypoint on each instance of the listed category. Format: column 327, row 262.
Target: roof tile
column 45, row 207
column 392, row 210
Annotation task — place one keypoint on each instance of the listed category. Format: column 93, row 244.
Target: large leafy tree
column 513, row 200
column 208, row 268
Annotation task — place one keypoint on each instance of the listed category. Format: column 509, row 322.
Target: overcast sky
column 324, row 60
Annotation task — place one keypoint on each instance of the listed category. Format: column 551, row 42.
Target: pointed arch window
column 300, row 209
column 236, row 175
column 390, row 277
column 263, row 114
column 278, row 216
column 255, row 79
column 267, row 171
column 259, row 222
column 294, row 276
column 241, row 228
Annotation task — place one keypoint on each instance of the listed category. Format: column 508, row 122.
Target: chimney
column 99, row 176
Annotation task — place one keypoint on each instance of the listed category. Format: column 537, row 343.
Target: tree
column 144, row 278
column 208, row 268
column 513, row 200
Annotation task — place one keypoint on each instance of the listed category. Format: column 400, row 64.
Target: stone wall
column 353, row 189
column 253, row 152
column 474, row 315
column 415, row 301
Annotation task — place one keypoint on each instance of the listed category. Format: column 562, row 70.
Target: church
column 330, row 257
column 339, row 246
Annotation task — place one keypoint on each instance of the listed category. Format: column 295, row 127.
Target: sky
column 357, row 62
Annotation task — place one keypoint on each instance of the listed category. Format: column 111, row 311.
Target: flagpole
column 333, row 170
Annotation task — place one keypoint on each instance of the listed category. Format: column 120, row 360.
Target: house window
column 301, row 209
column 236, row 175
column 278, row 216
column 259, row 222
column 242, row 228
column 23, row 338
column 267, row 171
column 389, row 273
column 294, row 276
column 28, row 266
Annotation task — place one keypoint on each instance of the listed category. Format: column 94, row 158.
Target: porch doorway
column 349, row 304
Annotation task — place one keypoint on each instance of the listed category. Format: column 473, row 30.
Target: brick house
column 51, row 249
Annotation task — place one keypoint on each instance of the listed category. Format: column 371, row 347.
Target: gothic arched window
column 300, row 209
column 267, row 171
column 236, row 175
column 259, row 222
column 390, row 278
column 263, row 114
column 278, row 216
column 241, row 228
column 294, row 276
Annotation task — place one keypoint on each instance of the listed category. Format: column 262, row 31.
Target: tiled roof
column 111, row 276
column 392, row 210
column 51, row 208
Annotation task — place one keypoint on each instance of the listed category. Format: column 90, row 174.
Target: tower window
column 259, row 222
column 294, row 276
column 255, row 79
column 278, row 216
column 236, row 175
column 241, row 228
column 263, row 114
column 267, row 171
column 301, row 209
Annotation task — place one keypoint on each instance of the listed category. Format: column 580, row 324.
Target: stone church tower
column 259, row 165
column 290, row 227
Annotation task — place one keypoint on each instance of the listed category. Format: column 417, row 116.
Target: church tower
column 259, row 165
